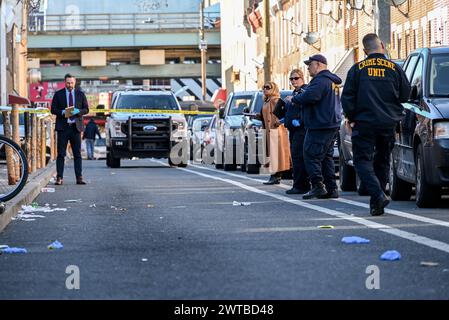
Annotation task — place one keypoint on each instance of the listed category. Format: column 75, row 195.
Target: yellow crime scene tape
column 94, row 110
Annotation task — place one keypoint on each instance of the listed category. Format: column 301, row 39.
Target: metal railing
column 38, row 22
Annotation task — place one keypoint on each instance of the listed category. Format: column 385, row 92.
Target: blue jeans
column 90, row 148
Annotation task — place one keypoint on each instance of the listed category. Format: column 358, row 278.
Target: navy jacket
column 320, row 102
column 91, row 131
column 59, row 103
column 374, row 90
column 293, row 112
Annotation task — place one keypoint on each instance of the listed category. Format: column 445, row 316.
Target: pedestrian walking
column 90, row 133
column 371, row 99
column 322, row 116
column 293, row 122
column 69, row 105
column 276, row 135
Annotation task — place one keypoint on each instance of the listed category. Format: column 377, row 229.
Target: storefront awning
column 16, row 99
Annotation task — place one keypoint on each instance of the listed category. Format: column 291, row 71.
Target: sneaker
column 377, row 206
column 273, row 180
column 333, row 194
column 316, row 192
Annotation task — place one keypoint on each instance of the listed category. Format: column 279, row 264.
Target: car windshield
column 439, row 75
column 156, row 102
column 238, row 104
column 200, row 123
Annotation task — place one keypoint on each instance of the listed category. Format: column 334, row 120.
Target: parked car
column 421, row 154
column 208, row 142
column 196, row 134
column 228, row 130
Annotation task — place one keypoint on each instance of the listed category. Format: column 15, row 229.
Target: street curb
column 32, row 189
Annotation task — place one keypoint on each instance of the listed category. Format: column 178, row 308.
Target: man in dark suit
column 69, row 128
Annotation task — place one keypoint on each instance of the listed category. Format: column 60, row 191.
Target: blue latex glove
column 75, row 111
column 296, row 123
column 282, row 120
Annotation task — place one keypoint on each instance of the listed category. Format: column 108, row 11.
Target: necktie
column 70, row 98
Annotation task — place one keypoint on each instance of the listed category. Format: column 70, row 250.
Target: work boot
column 273, row 180
column 332, row 194
column 79, row 180
column 377, row 206
column 58, row 181
column 296, row 191
column 317, row 191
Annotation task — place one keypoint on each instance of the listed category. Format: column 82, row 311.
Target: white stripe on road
column 347, row 201
column 439, row 245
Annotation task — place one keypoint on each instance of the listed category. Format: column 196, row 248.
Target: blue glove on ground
column 75, row 111
column 296, row 123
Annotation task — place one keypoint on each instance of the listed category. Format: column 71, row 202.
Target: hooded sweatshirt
column 321, row 102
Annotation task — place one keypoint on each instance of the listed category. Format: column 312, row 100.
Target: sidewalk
column 36, row 182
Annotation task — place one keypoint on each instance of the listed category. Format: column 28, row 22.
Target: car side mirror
column 414, row 94
column 221, row 113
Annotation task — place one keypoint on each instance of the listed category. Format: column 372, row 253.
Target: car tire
column 347, row 174
column 111, row 161
column 427, row 196
column 218, row 162
column 400, row 190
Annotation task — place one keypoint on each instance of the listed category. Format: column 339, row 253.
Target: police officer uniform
column 371, row 100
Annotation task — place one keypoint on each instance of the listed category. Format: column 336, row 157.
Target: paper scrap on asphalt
column 144, row 260
column 354, row 239
column 391, row 255
column 429, row 264
column 55, row 245
column 93, row 206
column 72, row 201
column 50, row 190
column 150, row 206
column 244, row 204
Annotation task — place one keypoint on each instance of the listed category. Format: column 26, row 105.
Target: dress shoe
column 316, row 192
column 58, row 181
column 80, row 180
column 296, row 191
column 333, row 194
column 377, row 206
column 273, row 180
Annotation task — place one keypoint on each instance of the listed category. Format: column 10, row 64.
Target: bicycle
column 13, row 170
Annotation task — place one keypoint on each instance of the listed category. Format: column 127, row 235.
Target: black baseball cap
column 316, row 57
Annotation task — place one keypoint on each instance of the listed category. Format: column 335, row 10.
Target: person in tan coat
column 277, row 142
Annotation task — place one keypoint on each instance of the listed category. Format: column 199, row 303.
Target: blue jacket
column 91, row 131
column 321, row 102
column 294, row 112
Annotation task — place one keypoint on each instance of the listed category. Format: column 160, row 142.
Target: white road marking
column 439, row 245
column 347, row 201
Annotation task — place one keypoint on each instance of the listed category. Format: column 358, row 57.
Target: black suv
column 421, row 154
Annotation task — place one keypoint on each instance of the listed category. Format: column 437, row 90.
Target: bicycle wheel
column 13, row 169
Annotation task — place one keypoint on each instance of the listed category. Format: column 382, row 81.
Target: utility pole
column 203, row 48
column 267, row 60
column 3, row 56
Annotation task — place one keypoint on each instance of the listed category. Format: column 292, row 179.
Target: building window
column 399, row 47
column 415, row 39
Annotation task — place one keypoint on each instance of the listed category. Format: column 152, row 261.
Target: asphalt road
column 148, row 231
